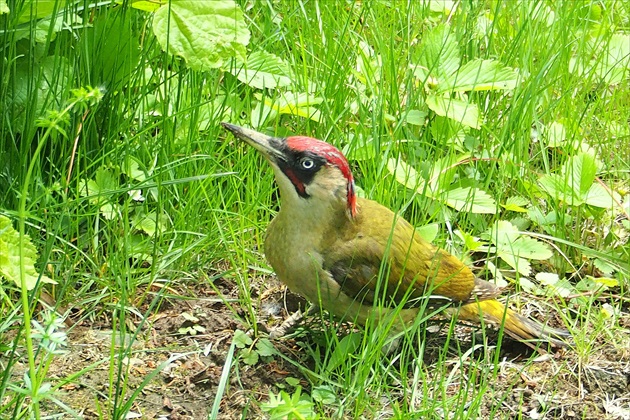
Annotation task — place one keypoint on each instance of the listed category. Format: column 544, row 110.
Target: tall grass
column 73, row 164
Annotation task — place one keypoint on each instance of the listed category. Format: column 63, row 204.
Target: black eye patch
column 300, row 168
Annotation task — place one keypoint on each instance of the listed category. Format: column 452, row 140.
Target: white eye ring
column 307, row 163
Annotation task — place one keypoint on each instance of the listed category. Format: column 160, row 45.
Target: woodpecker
column 356, row 258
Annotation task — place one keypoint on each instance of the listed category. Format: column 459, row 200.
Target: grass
column 142, row 121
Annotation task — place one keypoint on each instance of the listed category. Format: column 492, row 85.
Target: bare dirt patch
column 187, row 368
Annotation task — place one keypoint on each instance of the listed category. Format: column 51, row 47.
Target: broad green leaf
column 10, row 257
column 53, row 25
column 558, row 187
column 470, row 199
column 443, row 6
column 304, row 112
column 555, row 285
column 617, row 129
column 455, row 109
column 516, row 204
column 598, row 196
column 148, row 223
column 609, row 61
column 521, row 265
column 428, row 232
column 547, row 278
column 291, row 381
column 262, row 70
column 605, row 281
column 52, row 92
column 508, row 239
column 347, row 345
column 530, row 248
column 105, row 181
column 615, row 62
column 144, row 5
column 140, row 247
column 292, row 103
column 100, row 188
column 264, row 347
column 470, row 241
column 529, row 286
column 324, row 394
column 249, row 357
column 444, row 171
column 241, row 340
column 555, row 134
column 299, row 100
column 439, row 55
column 36, row 9
column 537, row 216
column 131, row 168
column 206, row 33
column 503, row 233
column 406, row 175
column 478, row 75
column 581, row 170
column 415, row 117
column 604, row 266
column 619, row 50
column 109, row 210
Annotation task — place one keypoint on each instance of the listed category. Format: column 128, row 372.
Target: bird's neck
column 313, row 215
column 310, row 223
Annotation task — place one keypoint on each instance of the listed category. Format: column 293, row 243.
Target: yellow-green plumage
column 341, row 272
column 333, row 250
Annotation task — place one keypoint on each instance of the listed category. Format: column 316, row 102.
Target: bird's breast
column 295, row 259
column 293, row 254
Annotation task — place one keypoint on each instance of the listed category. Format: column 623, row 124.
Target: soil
column 182, row 371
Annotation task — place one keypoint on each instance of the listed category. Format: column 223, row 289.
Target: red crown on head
column 332, row 155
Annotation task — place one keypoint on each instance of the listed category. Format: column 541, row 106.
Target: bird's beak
column 267, row 145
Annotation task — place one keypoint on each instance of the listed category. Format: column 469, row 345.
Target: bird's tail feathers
column 515, row 325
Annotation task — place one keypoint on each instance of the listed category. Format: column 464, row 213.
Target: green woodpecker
column 331, row 247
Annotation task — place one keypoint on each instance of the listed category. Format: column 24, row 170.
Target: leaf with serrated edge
column 262, row 70
column 249, row 357
column 557, row 187
column 469, row 199
column 10, row 256
column 547, row 278
column 241, row 340
column 480, row 75
column 519, row 264
column 516, row 204
column 508, row 239
column 264, row 347
column 598, row 196
column 439, row 54
column 580, row 170
column 461, row 111
column 204, row 33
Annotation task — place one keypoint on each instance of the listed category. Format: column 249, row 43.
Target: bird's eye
column 307, row 163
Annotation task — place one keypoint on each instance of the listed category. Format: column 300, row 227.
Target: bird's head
column 307, row 170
